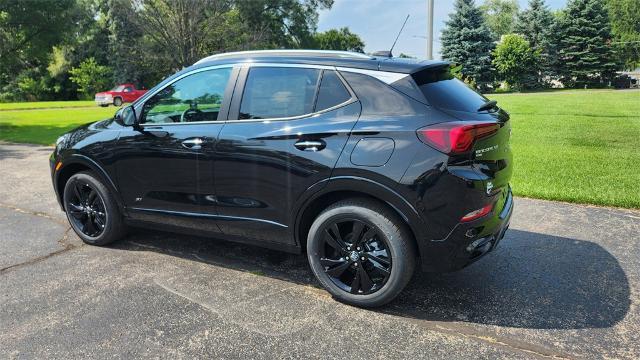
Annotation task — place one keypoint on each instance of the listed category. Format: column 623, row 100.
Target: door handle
column 310, row 145
column 193, row 144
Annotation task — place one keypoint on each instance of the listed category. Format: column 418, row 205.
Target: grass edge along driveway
column 577, row 146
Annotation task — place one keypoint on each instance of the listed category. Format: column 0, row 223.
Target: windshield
column 443, row 90
column 118, row 88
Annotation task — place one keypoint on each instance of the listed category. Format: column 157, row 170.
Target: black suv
column 367, row 164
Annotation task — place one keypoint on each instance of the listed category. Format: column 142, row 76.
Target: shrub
column 91, row 77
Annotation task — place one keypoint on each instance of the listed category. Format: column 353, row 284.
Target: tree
column 341, row 39
column 29, row 29
column 91, row 77
column 501, row 16
column 625, row 25
column 514, row 60
column 280, row 23
column 535, row 24
column 586, row 46
column 467, row 41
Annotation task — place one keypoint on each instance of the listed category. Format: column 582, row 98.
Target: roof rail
column 320, row 53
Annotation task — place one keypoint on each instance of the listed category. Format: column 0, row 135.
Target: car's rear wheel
column 91, row 210
column 117, row 101
column 361, row 252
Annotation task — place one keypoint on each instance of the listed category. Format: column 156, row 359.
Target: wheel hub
column 354, row 256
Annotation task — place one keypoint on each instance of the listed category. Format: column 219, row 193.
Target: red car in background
column 124, row 93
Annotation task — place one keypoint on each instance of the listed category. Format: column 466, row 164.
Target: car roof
column 322, row 57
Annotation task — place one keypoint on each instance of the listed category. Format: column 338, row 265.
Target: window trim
column 234, row 111
column 226, row 101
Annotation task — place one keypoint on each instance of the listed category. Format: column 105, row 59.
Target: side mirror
column 127, row 116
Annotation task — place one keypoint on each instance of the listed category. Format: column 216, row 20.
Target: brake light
column 476, row 214
column 455, row 137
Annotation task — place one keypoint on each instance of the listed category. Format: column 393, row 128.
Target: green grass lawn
column 577, row 146
column 44, row 125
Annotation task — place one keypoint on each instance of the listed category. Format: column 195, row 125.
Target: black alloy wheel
column 355, row 256
column 92, row 210
column 87, row 209
column 361, row 252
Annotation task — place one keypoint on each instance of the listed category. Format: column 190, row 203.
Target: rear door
column 286, row 129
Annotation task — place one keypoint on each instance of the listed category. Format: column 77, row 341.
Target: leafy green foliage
column 586, row 49
column 91, row 77
column 467, row 41
column 501, row 16
column 341, row 39
column 625, row 25
column 515, row 61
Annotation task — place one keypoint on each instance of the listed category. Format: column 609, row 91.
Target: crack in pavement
column 471, row 332
column 66, row 245
column 34, row 213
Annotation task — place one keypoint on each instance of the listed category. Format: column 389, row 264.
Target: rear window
column 332, row 92
column 443, row 90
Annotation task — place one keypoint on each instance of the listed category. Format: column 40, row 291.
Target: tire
column 86, row 220
column 117, row 101
column 335, row 268
column 104, row 105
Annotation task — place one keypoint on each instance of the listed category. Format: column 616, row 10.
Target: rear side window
column 272, row 92
column 332, row 91
column 443, row 90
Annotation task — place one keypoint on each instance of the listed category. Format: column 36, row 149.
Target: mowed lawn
column 42, row 123
column 578, row 146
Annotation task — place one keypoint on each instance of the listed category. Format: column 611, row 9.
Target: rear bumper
column 468, row 242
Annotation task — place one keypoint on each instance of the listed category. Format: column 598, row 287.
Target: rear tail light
column 476, row 214
column 456, row 137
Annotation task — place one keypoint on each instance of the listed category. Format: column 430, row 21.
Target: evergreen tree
column 535, row 25
column 554, row 66
column 466, row 41
column 586, row 45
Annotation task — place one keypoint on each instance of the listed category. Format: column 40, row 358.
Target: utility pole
column 429, row 29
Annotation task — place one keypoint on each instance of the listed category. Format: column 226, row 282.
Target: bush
column 514, row 59
column 91, row 77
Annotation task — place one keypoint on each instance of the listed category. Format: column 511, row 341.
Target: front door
column 165, row 166
column 285, row 132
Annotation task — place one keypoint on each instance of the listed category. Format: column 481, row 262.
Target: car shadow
column 531, row 281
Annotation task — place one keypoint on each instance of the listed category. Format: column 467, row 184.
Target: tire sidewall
column 117, row 101
column 398, row 264
column 111, row 209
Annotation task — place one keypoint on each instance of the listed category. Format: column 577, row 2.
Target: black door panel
column 260, row 172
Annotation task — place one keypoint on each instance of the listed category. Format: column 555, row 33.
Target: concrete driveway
column 564, row 284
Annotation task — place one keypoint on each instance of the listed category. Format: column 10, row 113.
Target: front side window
column 272, row 92
column 197, row 97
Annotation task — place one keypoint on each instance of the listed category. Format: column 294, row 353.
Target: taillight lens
column 476, row 214
column 455, row 137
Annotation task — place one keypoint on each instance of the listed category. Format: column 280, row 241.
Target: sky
column 377, row 22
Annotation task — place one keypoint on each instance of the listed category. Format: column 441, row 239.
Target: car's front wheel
column 92, row 210
column 117, row 101
column 361, row 252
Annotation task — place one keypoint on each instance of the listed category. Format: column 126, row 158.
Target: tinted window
column 332, row 91
column 278, row 92
column 443, row 90
column 197, row 97
column 378, row 98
